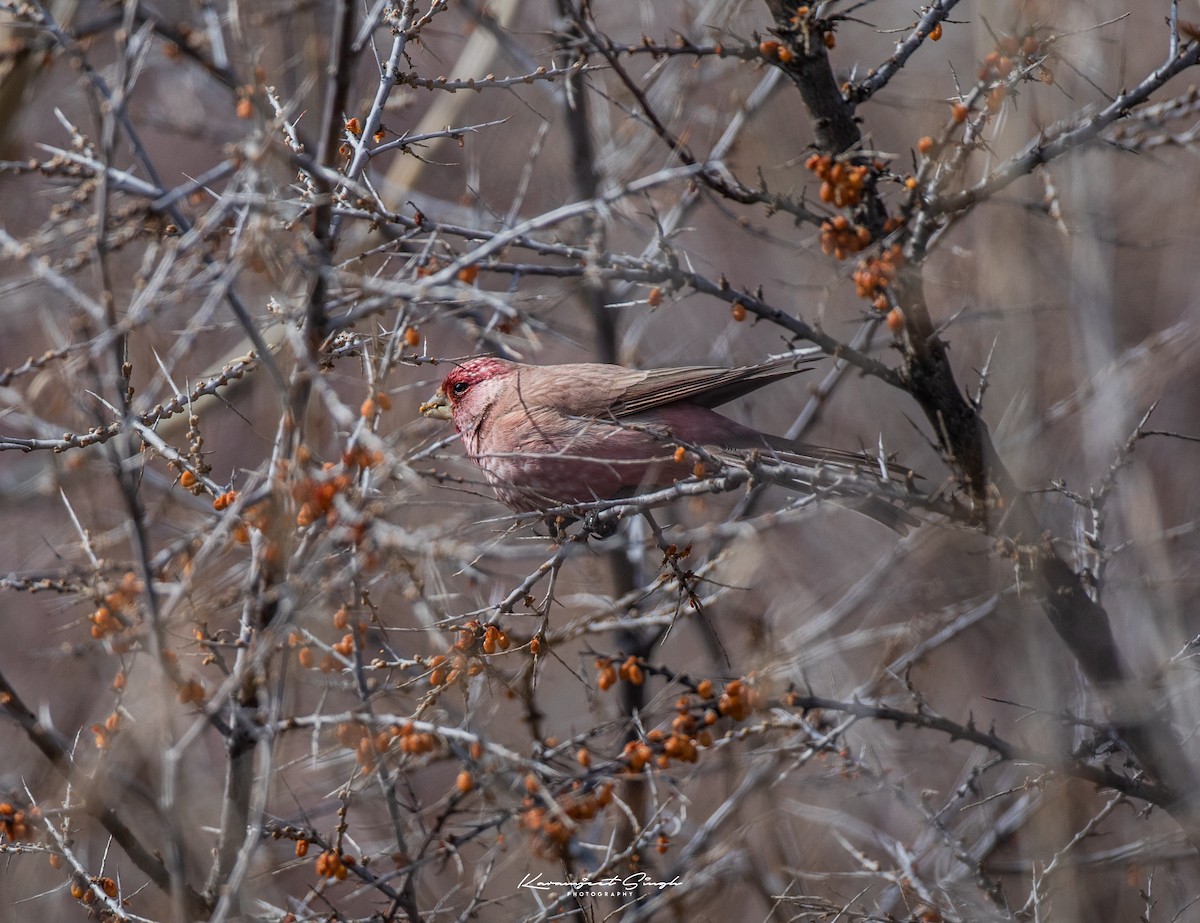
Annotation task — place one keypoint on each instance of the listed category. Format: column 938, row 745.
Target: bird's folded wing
column 702, row 385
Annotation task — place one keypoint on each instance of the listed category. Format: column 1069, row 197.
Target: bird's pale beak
column 437, row 407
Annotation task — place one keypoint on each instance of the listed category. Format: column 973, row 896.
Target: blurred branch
column 96, row 798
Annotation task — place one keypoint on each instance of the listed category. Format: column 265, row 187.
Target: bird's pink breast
column 548, row 462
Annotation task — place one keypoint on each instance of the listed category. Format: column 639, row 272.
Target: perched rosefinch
column 554, row 435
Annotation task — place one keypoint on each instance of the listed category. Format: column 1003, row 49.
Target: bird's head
column 468, row 391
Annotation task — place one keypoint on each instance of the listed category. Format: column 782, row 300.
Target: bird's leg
column 557, row 526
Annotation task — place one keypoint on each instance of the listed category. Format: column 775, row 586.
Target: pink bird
column 555, row 435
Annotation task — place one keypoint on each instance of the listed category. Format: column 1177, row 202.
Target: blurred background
column 198, row 538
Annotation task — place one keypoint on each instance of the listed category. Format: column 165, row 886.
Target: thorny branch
column 403, row 690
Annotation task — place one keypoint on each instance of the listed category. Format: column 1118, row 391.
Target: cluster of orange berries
column 473, row 640
column 331, row 864
column 414, row 742
column 689, row 728
column 107, row 620
column 344, row 647
column 630, row 670
column 738, row 700
column 366, row 746
column 554, row 825
column 840, row 237
column 828, row 39
column 102, row 734
column 999, row 63
column 104, row 623
column 688, row 734
column 253, row 517
column 316, row 494
column 369, row 747
column 876, row 273
column 14, row 822
column 380, row 401
column 191, row 692
column 81, row 890
column 842, row 184
column 354, row 127
column 774, row 51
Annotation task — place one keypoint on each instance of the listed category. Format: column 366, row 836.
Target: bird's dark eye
column 460, row 388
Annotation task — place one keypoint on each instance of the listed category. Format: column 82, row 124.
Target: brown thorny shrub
column 273, row 650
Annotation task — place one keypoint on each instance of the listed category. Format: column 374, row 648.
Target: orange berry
column 738, row 310
column 412, row 336
column 368, row 408
column 680, row 454
column 353, row 126
column 959, row 112
column 301, row 848
column 187, row 479
column 829, row 39
column 935, row 34
column 925, row 144
column 895, row 320
column 468, row 274
column 769, row 49
column 245, row 109
column 654, row 299
column 464, row 783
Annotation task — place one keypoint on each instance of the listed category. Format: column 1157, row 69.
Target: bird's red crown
column 471, row 372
